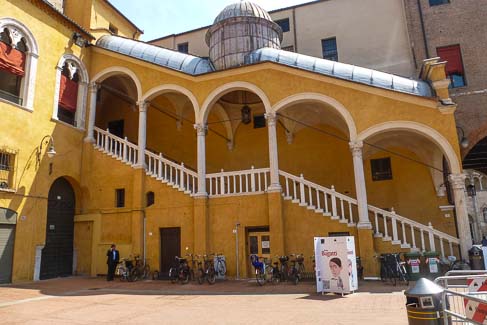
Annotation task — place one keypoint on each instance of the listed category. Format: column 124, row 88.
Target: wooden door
column 170, row 247
column 258, row 244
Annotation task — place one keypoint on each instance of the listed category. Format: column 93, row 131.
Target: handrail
column 238, row 182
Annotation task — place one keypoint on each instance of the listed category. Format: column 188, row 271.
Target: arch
column 27, row 89
column 29, row 37
column 225, row 89
column 82, row 89
column 168, row 88
column 315, row 97
column 112, row 71
column 430, row 133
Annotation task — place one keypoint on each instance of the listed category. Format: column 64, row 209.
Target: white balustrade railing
column 386, row 224
column 238, row 182
column 174, row 174
column 165, row 170
column 117, row 147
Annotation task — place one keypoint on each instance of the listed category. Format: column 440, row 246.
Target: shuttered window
column 454, row 67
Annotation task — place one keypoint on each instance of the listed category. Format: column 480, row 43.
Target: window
column 18, row 63
column 113, row 29
column 381, row 169
column 284, row 24
column 12, row 66
column 288, row 48
column 259, row 121
column 484, row 212
column 454, row 66
column 120, row 197
column 330, row 50
column 71, row 91
column 7, row 160
column 183, row 47
column 438, row 2
column 150, row 198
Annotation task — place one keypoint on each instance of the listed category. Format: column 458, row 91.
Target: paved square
column 92, row 300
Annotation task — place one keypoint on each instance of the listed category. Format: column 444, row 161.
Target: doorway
column 57, row 255
column 258, row 243
column 170, row 247
column 8, row 219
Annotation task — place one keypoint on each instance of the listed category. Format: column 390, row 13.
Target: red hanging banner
column 68, row 94
column 11, row 60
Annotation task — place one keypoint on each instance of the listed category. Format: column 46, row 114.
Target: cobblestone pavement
column 80, row 300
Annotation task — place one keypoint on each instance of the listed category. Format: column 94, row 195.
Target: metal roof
column 154, row 54
column 242, row 9
column 194, row 65
column 341, row 70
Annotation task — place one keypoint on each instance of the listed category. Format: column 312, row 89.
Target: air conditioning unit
column 4, row 185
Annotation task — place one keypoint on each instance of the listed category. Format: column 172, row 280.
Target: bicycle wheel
column 200, row 276
column 173, row 275
column 155, row 275
column 259, row 276
column 146, row 272
column 185, row 277
column 134, row 275
column 211, row 276
column 383, row 273
column 222, row 268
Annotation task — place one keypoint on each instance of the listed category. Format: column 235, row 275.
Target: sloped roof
column 242, row 9
column 194, row 65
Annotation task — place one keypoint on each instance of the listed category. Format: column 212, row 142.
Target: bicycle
column 141, row 269
column 124, row 268
column 293, row 271
column 206, row 270
column 220, row 267
column 193, row 266
column 181, row 272
column 393, row 269
column 263, row 271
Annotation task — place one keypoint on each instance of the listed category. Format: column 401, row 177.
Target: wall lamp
column 78, row 39
column 47, row 141
column 463, row 140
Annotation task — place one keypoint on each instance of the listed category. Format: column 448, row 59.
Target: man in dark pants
column 112, row 260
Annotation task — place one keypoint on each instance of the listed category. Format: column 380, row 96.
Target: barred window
column 7, row 160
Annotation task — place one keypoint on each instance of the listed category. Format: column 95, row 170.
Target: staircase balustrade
column 252, row 181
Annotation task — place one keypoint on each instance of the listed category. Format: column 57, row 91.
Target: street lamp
column 463, row 140
column 47, row 141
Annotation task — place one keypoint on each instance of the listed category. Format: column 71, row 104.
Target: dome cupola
column 239, row 29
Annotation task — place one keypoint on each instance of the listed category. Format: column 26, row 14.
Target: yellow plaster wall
column 103, row 14
column 23, row 131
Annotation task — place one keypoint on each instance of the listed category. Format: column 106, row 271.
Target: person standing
column 112, row 260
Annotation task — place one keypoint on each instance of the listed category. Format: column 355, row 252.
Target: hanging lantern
column 246, row 114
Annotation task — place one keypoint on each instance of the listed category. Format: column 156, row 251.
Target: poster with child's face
column 335, row 264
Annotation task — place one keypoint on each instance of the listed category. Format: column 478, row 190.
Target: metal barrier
column 465, row 296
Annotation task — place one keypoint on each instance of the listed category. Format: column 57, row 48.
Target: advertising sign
column 336, row 264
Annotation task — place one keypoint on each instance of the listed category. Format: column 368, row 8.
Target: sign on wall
column 336, row 264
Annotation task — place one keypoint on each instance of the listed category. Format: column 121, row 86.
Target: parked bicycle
column 293, row 273
column 206, row 270
column 124, row 270
column 263, row 271
column 220, row 265
column 141, row 270
column 180, row 272
column 393, row 269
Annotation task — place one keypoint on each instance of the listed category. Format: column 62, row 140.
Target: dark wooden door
column 170, row 247
column 57, row 255
column 116, row 128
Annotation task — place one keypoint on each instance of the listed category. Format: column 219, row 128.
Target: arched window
column 18, row 63
column 70, row 91
column 484, row 212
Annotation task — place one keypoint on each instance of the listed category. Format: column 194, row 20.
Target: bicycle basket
column 283, row 259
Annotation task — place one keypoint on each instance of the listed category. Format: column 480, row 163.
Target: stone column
column 91, row 120
column 273, row 157
column 201, row 130
column 457, row 182
column 142, row 133
column 358, row 170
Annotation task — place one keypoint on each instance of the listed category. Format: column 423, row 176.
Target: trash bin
column 413, row 263
column 423, row 303
column 431, row 264
column 476, row 257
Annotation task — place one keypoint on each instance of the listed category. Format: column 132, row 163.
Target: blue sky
column 159, row 18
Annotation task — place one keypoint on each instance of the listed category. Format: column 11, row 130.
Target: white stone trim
column 37, row 262
column 117, row 70
column 171, row 88
column 225, row 89
column 316, row 97
column 82, row 89
column 421, row 129
column 27, row 89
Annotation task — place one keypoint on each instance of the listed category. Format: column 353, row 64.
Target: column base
column 89, row 140
column 273, row 188
column 140, row 166
column 364, row 225
column 201, row 195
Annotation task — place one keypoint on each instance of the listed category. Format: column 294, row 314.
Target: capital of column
column 94, row 86
column 356, row 148
column 201, row 129
column 142, row 105
column 457, row 181
column 271, row 118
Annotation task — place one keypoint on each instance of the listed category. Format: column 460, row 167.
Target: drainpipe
column 144, row 237
column 421, row 18
column 294, row 31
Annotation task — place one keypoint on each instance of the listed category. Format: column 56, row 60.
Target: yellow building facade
column 163, row 154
